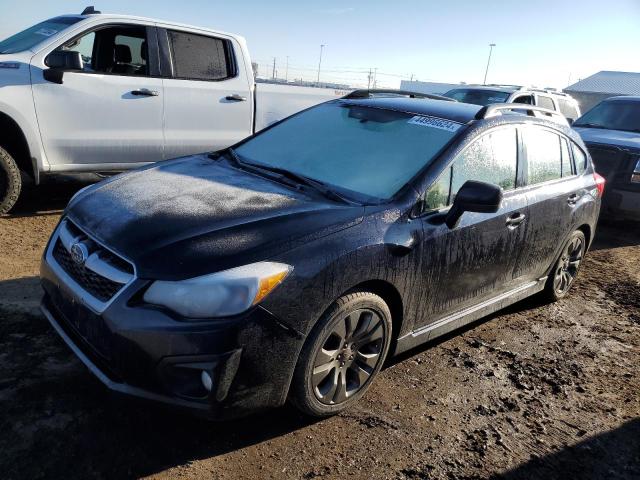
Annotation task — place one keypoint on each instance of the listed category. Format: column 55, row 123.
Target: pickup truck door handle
column 145, row 92
column 572, row 199
column 235, row 98
column 516, row 219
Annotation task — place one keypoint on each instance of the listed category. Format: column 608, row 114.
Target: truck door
column 108, row 115
column 208, row 92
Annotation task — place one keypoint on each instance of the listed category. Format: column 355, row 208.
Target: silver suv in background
column 545, row 98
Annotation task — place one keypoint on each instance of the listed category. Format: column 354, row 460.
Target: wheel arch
column 586, row 229
column 391, row 296
column 14, row 141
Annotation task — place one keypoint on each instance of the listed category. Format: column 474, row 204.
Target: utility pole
column 369, row 77
column 375, row 77
column 320, row 63
column 411, row 77
column 273, row 72
column 286, row 72
column 491, row 45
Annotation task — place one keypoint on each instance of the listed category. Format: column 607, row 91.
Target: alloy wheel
column 567, row 267
column 348, row 356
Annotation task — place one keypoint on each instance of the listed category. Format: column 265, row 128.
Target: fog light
column 207, row 381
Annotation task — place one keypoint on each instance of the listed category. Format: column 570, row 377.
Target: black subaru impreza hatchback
column 291, row 265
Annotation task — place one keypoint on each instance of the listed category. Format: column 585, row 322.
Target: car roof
column 491, row 88
column 456, row 111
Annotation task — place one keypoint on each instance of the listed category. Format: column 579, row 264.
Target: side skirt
column 468, row 315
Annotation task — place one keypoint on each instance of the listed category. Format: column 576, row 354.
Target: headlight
column 220, row 294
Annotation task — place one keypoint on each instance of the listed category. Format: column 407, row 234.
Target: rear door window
column 544, row 158
column 198, row 57
column 545, row 102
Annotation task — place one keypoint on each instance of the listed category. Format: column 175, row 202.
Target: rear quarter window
column 568, row 109
column 580, row 159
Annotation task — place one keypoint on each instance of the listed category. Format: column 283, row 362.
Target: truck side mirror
column 59, row 62
column 474, row 196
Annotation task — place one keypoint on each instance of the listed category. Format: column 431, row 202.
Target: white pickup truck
column 105, row 93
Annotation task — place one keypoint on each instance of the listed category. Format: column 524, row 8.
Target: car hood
column 618, row 138
column 191, row 216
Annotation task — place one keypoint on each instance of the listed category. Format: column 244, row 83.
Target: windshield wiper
column 301, row 180
column 281, row 174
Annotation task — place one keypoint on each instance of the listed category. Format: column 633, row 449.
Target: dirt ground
column 536, row 391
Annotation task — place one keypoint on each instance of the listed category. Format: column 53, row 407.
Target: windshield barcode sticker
column 434, row 122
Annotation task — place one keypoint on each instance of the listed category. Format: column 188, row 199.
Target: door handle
column 145, row 92
column 573, row 199
column 235, row 98
column 516, row 219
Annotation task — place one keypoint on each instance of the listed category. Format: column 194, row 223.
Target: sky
column 538, row 42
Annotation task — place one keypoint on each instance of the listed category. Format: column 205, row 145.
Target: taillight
column 635, row 176
column 600, row 181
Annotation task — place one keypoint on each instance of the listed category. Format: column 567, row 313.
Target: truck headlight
column 221, row 294
column 635, row 176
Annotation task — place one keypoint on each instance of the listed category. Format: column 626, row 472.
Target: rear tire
column 343, row 353
column 10, row 181
column 565, row 269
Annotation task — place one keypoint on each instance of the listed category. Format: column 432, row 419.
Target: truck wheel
column 342, row 355
column 10, row 181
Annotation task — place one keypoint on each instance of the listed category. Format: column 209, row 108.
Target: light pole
column 320, row 63
column 491, row 45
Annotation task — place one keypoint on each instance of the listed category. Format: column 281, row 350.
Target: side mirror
column 474, row 196
column 59, row 62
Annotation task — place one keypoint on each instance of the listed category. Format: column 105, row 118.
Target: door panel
column 93, row 117
column 213, row 108
column 474, row 261
column 477, row 259
column 554, row 195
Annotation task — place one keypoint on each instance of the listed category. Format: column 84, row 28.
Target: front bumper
column 148, row 353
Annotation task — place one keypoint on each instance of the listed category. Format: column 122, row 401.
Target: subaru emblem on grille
column 79, row 253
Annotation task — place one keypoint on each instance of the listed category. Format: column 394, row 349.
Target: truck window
column 526, row 99
column 198, row 57
column 116, row 50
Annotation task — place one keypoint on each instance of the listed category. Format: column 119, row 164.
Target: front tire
column 565, row 269
column 10, row 181
column 343, row 353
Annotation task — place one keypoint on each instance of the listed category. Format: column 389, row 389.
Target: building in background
column 436, row 88
column 592, row 90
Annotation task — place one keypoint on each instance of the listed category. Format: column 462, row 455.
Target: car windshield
column 614, row 115
column 34, row 35
column 372, row 152
column 477, row 96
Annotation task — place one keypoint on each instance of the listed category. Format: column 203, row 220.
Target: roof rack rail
column 504, row 85
column 497, row 108
column 368, row 93
column 90, row 11
column 548, row 90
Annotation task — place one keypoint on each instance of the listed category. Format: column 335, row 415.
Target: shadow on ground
column 51, row 197
column 614, row 454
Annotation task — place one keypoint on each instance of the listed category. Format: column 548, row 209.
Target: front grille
column 100, row 272
column 100, row 287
